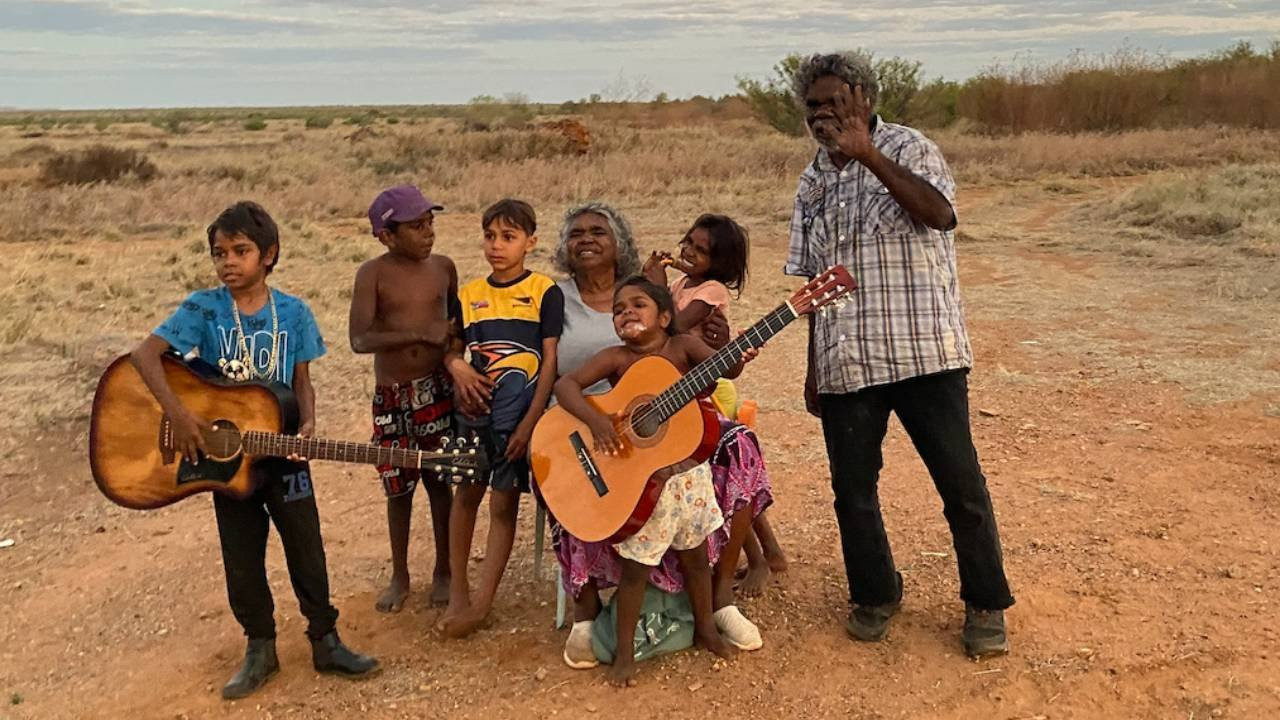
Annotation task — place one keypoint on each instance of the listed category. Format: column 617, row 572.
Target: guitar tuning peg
column 471, row 473
column 438, row 468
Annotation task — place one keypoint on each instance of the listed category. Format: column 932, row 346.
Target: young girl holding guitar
column 686, row 511
column 713, row 256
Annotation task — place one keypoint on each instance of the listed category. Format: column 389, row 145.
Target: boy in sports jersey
column 511, row 323
column 253, row 332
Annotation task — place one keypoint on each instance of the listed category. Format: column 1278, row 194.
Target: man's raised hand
column 853, row 114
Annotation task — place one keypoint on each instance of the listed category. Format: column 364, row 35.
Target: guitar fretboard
column 684, row 390
column 257, row 442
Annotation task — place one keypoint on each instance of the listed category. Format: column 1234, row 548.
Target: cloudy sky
column 150, row 53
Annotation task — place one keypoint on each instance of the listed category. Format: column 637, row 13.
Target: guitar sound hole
column 644, row 424
column 223, row 440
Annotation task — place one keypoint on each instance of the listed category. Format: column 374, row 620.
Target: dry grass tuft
column 980, row 158
column 97, row 164
column 1128, row 89
column 1234, row 206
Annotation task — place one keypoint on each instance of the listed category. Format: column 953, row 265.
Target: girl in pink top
column 713, row 258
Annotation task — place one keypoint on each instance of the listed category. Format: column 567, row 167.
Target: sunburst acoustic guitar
column 132, row 455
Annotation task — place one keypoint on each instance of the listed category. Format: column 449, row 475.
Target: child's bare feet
column 622, row 673
column 464, row 622
column 776, row 559
column 754, row 580
column 439, row 590
column 712, row 640
column 392, row 599
column 450, row 612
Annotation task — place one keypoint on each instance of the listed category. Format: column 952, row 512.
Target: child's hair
column 248, row 218
column 729, row 249
column 659, row 294
column 513, row 212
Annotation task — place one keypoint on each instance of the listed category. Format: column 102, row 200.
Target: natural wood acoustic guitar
column 134, row 463
column 609, row 497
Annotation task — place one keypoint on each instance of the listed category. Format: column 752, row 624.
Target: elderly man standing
column 878, row 198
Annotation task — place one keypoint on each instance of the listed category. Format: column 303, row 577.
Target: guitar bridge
column 166, row 440
column 588, row 464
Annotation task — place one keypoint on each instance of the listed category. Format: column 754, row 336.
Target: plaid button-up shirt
column 905, row 319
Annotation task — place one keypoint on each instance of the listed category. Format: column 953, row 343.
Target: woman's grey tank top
column 586, row 332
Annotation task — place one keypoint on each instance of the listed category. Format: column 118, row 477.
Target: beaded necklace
column 245, row 368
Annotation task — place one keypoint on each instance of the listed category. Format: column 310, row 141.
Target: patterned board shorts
column 685, row 514
column 416, row 415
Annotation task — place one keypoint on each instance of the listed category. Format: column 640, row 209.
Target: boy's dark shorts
column 503, row 474
column 416, row 415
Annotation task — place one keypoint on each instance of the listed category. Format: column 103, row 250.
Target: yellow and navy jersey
column 504, row 325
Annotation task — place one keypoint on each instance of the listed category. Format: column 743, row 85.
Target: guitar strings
column 279, row 443
column 669, row 401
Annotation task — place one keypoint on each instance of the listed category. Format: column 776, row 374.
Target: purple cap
column 399, row 204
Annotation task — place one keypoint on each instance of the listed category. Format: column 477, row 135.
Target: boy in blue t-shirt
column 511, row 321
column 253, row 332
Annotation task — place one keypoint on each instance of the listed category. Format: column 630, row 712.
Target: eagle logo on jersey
column 503, row 357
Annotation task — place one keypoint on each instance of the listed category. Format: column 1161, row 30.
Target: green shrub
column 773, row 101
column 173, row 122
column 899, row 83
column 486, row 112
column 936, row 105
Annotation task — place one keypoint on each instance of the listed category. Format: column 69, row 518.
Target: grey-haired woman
column 596, row 251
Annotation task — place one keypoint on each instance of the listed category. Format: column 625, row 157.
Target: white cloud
column 148, row 52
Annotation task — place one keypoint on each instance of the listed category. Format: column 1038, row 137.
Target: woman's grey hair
column 628, row 262
column 852, row 66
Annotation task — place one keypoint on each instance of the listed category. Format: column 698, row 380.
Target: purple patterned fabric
column 740, row 478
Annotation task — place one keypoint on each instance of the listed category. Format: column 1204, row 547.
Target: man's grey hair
column 628, row 262
column 852, row 66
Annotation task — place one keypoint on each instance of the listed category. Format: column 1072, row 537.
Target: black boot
column 870, row 623
column 329, row 655
column 984, row 634
column 259, row 664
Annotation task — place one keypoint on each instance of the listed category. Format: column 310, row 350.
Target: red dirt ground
column 1139, row 526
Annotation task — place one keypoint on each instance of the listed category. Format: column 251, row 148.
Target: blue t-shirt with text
column 204, row 324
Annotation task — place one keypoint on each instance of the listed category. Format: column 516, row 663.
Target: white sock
column 737, row 629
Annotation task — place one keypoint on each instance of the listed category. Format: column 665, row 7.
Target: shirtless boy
column 403, row 310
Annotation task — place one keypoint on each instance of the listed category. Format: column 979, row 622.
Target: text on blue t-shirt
column 204, row 323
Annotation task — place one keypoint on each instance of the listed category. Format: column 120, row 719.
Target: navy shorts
column 503, row 474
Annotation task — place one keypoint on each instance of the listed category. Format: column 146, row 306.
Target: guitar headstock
column 461, row 457
column 832, row 285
